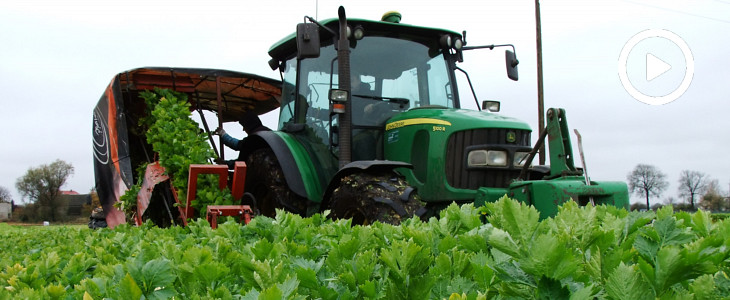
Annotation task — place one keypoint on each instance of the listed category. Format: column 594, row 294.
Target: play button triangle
column 655, row 67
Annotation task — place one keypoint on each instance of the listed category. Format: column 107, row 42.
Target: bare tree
column 43, row 184
column 692, row 183
column 5, row 196
column 647, row 180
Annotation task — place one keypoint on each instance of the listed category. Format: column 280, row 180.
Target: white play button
column 639, row 74
column 655, row 67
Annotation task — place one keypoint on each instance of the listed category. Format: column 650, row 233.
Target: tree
column 5, row 196
column 692, row 183
column 647, row 181
column 712, row 199
column 43, row 185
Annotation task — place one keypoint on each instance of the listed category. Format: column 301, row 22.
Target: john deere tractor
column 371, row 128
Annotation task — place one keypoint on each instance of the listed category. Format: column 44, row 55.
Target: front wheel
column 266, row 183
column 384, row 197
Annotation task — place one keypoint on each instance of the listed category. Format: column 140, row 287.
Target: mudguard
column 283, row 152
column 359, row 167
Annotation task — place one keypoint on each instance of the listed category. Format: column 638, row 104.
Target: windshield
column 388, row 76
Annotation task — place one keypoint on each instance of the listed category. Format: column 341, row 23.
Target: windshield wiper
column 401, row 101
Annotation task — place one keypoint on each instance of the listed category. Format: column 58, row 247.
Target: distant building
column 75, row 202
column 5, row 211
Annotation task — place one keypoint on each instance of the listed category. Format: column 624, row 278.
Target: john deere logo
column 511, row 137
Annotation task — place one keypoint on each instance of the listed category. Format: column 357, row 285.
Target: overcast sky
column 56, row 58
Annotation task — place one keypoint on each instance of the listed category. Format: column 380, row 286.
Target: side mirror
column 512, row 62
column 274, row 64
column 307, row 40
column 490, row 105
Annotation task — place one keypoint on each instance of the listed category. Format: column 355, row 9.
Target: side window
column 439, row 85
column 288, row 93
column 317, row 105
column 318, row 85
column 313, row 106
column 315, row 77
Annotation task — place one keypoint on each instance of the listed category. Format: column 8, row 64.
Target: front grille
column 457, row 173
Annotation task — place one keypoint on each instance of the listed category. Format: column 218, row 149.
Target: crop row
column 582, row 253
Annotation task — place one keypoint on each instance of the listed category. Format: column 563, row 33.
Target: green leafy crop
column 581, row 253
column 178, row 143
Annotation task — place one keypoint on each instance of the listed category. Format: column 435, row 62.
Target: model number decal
column 393, row 136
column 418, row 121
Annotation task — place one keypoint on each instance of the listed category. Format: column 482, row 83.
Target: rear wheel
column 366, row 198
column 265, row 181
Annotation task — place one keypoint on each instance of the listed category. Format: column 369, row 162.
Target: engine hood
column 454, row 119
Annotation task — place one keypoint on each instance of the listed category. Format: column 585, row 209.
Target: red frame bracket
column 214, row 211
column 238, row 184
column 155, row 174
column 194, row 171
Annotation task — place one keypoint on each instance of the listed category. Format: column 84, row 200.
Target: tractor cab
column 393, row 68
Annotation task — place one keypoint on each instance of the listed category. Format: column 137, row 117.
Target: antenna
column 316, row 9
column 540, row 95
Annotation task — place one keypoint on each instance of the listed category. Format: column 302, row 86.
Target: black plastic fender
column 264, row 139
column 359, row 167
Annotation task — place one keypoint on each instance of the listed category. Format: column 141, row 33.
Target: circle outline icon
column 688, row 74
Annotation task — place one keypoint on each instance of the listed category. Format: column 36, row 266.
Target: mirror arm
column 320, row 25
column 490, row 47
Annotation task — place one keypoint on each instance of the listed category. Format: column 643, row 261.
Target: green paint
column 312, row 181
column 547, row 195
column 426, row 128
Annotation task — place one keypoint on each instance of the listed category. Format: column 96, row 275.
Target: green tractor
column 371, row 128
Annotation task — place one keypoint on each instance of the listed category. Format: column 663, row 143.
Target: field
column 582, row 253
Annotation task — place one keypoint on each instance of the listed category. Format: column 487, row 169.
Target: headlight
column 521, row 158
column 497, row 158
column 480, row 158
column 446, row 41
column 458, row 44
column 338, row 95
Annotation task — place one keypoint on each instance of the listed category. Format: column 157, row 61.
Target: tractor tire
column 367, row 198
column 266, row 183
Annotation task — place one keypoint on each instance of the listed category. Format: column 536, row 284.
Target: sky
column 56, row 58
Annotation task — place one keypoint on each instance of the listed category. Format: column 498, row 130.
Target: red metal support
column 239, row 180
column 194, row 171
column 214, row 211
column 237, row 187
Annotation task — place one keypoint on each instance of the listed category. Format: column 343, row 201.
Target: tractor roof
column 287, row 47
